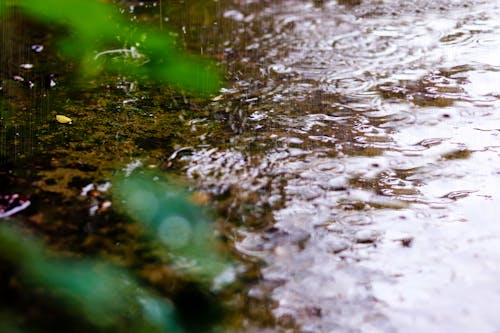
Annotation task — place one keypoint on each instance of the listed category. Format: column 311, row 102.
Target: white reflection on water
column 404, row 236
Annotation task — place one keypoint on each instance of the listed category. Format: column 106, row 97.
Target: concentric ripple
column 378, row 129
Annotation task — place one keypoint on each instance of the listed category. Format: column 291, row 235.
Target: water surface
column 362, row 161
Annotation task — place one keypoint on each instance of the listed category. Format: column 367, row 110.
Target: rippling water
column 364, row 161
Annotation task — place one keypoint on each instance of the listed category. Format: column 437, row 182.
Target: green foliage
column 94, row 296
column 169, row 216
column 94, row 27
column 97, row 295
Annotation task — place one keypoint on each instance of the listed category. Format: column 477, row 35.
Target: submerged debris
column 98, row 197
column 11, row 204
column 457, row 154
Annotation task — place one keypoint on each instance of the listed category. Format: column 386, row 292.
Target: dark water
column 353, row 156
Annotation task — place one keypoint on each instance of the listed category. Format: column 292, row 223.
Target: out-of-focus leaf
column 94, row 26
column 14, row 246
column 157, row 313
column 86, row 18
column 104, row 296
column 170, row 216
column 98, row 292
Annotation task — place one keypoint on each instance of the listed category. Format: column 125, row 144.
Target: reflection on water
column 362, row 161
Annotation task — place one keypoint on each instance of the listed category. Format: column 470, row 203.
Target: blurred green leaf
column 106, row 297
column 95, row 28
column 98, row 292
column 170, row 216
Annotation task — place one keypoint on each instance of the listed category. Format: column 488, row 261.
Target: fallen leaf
column 63, row 119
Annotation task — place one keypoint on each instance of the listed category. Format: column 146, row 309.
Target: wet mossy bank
column 118, row 125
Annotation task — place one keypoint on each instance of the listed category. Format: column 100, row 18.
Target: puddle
column 371, row 132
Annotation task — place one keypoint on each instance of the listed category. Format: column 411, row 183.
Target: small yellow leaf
column 63, row 119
